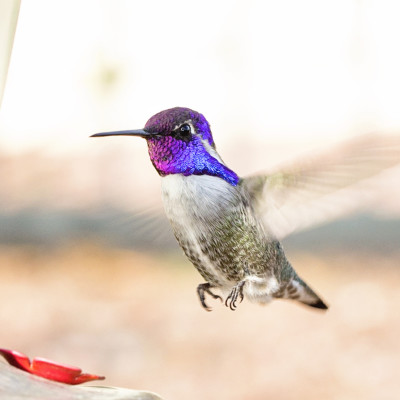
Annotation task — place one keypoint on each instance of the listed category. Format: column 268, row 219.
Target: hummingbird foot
column 237, row 292
column 205, row 288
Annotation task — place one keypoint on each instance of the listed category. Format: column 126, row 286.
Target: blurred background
column 90, row 274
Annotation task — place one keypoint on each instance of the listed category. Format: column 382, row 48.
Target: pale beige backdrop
column 83, row 282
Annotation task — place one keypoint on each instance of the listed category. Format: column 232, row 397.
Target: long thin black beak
column 136, row 132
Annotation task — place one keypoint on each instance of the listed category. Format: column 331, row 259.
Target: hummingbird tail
column 300, row 291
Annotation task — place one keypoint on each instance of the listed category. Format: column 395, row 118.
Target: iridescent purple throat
column 171, row 156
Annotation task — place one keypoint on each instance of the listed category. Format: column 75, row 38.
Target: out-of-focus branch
column 9, row 11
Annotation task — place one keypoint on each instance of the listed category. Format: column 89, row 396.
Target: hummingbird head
column 180, row 142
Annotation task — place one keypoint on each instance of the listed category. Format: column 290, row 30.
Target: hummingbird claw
column 237, row 292
column 205, row 288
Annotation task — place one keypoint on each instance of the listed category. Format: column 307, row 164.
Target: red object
column 48, row 369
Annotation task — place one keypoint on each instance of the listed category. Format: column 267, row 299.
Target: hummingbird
column 217, row 217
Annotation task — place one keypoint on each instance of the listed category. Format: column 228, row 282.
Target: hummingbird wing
column 321, row 187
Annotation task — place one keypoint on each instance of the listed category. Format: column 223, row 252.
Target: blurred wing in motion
column 312, row 191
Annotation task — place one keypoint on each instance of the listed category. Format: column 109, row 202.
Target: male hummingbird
column 218, row 218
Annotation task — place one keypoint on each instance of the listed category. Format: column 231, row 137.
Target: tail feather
column 300, row 291
column 319, row 304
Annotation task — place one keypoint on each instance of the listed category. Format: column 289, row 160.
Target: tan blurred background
column 88, row 278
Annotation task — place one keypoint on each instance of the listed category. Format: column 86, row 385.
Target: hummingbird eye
column 184, row 132
column 184, row 129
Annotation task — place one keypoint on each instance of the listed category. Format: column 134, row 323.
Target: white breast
column 203, row 195
column 192, row 203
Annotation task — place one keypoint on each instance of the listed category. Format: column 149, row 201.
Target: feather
column 310, row 191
